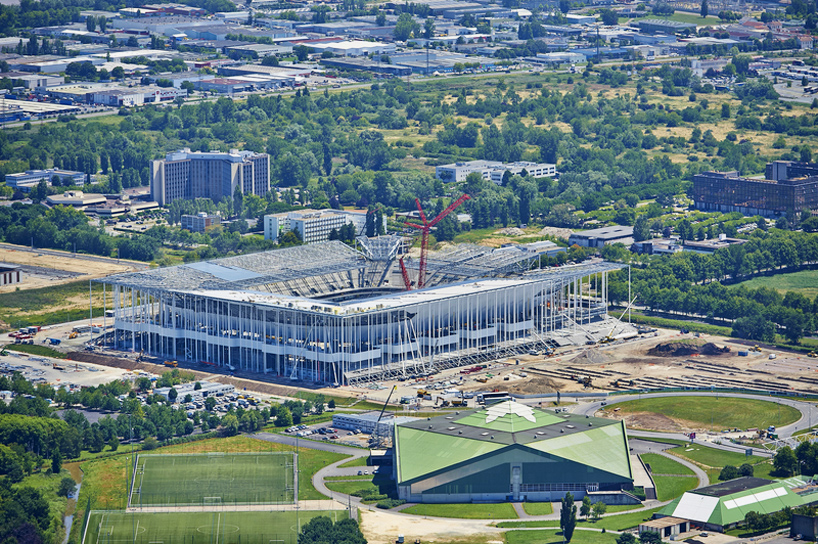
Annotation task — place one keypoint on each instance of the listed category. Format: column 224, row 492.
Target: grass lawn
column 662, row 440
column 201, row 527
column 49, row 305
column 723, row 413
column 357, row 462
column 693, row 326
column 659, row 464
column 614, row 508
column 555, row 537
column 538, row 508
column 611, row 523
column 670, row 487
column 713, row 457
column 469, row 511
column 680, row 17
column 803, row 281
column 236, row 478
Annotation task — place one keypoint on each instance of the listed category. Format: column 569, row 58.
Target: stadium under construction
column 332, row 314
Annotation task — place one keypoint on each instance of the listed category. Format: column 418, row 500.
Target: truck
column 54, row 341
column 171, row 364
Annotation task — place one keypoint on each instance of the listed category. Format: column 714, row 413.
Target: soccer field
column 213, row 479
column 200, row 527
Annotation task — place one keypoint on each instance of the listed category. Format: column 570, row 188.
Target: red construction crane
column 424, row 229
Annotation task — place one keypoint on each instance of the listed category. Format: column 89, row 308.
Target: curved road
column 809, row 416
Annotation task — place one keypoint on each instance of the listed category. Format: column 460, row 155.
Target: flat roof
column 616, row 231
column 29, row 106
column 732, row 486
column 661, row 523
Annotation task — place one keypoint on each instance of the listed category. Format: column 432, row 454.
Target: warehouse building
column 724, row 505
column 602, row 236
column 368, row 422
column 207, row 389
column 331, row 314
column 10, row 274
column 509, row 451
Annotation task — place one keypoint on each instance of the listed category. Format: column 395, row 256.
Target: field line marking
column 136, row 532
column 218, row 522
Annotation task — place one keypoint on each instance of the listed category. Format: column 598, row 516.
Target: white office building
column 493, row 170
column 313, row 226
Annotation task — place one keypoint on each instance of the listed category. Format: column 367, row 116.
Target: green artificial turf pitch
column 116, row 527
column 209, row 479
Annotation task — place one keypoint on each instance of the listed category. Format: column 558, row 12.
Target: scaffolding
column 312, row 313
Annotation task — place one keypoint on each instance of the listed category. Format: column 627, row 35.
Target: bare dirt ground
column 384, row 528
column 44, row 270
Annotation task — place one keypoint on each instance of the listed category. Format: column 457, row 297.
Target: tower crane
column 425, row 227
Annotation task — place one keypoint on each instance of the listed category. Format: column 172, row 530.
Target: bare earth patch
column 384, row 528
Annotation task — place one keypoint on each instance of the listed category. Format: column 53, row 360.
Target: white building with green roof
column 509, row 451
column 724, row 505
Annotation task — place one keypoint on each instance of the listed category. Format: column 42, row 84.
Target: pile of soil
column 534, row 385
column 590, row 357
column 682, row 349
column 510, row 231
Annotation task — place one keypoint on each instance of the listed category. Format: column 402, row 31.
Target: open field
column 469, row 511
column 619, row 522
column 670, row 487
column 48, row 305
column 555, row 537
column 804, row 282
column 712, row 413
column 213, row 479
column 659, row 464
column 538, row 508
column 200, row 527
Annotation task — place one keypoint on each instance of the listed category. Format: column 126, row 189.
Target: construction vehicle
column 482, row 379
column 425, row 228
column 459, row 403
column 54, row 341
column 586, row 381
column 171, row 364
column 422, row 393
column 73, row 335
column 756, row 348
column 443, row 402
column 812, row 354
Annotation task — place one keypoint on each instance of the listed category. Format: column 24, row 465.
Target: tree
column 331, row 404
column 113, row 443
column 67, row 487
column 406, row 27
column 641, row 228
column 568, row 517
column 785, row 463
column 429, row 28
column 585, row 509
column 609, row 17
column 230, row 425
column 188, row 398
column 650, row 537
column 210, row 404
column 321, row 530
column 173, row 394
column 626, row 538
column 705, row 9
column 56, row 461
column 599, row 509
column 746, row 469
column 150, row 443
column 728, row 473
column 197, row 386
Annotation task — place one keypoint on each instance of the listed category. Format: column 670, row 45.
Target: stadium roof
column 305, row 277
column 428, row 445
column 729, row 502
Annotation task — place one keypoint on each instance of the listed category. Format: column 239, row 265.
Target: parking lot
column 327, row 432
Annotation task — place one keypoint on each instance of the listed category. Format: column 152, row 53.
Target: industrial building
column 602, row 236
column 10, row 274
column 313, row 226
column 370, row 422
column 509, row 451
column 193, row 174
column 331, row 314
column 207, row 389
column 724, row 505
column 729, row 192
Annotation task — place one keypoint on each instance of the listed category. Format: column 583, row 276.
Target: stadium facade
column 509, row 451
column 331, row 314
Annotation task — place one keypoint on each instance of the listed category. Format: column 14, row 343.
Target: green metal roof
column 509, row 417
column 421, row 452
column 604, row 448
column 705, row 507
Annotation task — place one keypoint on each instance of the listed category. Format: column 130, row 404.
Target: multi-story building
column 313, row 226
column 783, row 170
column 200, row 222
column 493, row 170
column 193, row 174
column 728, row 192
column 24, row 181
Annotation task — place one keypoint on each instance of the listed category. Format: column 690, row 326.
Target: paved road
column 56, row 253
column 809, row 415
